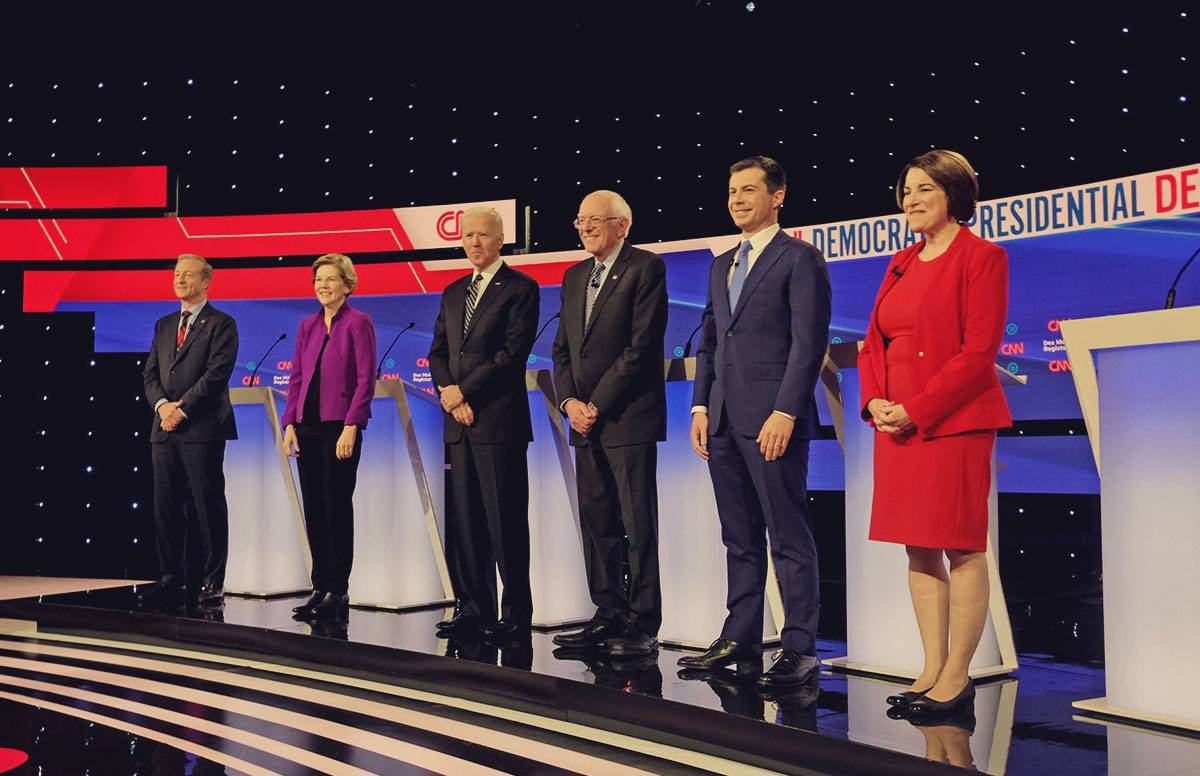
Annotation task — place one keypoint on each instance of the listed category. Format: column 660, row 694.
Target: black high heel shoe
column 927, row 707
column 905, row 698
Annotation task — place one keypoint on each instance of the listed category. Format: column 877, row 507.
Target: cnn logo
column 449, row 225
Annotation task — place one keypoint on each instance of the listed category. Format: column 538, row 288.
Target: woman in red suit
column 930, row 390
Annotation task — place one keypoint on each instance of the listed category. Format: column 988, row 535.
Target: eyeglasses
column 582, row 221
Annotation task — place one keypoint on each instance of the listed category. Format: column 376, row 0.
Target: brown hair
column 951, row 171
column 206, row 270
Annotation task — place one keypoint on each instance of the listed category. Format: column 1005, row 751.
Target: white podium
column 268, row 551
column 1136, row 376
column 556, row 575
column 691, row 556
column 881, row 631
column 398, row 516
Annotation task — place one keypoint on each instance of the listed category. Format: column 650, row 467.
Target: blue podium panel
column 1150, row 499
column 268, row 553
column 556, row 568
column 398, row 523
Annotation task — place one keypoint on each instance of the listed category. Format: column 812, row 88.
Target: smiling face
column 925, row 203
column 331, row 288
column 482, row 238
column 191, row 287
column 751, row 205
column 600, row 228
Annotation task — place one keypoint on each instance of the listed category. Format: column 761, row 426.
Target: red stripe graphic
column 45, row 290
column 32, row 188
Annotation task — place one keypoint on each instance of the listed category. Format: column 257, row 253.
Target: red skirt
column 930, row 492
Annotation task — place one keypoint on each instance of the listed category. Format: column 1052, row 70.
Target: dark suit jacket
column 617, row 363
column 766, row 354
column 957, row 337
column 488, row 362
column 198, row 375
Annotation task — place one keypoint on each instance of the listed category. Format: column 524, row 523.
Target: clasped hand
column 889, row 417
column 170, row 416
column 454, row 402
column 582, row 416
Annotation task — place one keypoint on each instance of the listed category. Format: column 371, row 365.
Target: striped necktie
column 738, row 279
column 183, row 327
column 593, row 289
column 472, row 295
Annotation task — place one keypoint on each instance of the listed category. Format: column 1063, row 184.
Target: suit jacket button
column 729, row 332
column 461, row 354
column 921, row 354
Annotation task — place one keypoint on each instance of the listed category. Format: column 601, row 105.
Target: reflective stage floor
column 243, row 688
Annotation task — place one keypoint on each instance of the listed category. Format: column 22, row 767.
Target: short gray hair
column 490, row 212
column 619, row 205
column 206, row 270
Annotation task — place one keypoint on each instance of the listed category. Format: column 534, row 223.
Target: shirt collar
column 490, row 272
column 610, row 258
column 762, row 237
column 194, row 309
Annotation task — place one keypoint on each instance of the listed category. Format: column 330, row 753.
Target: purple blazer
column 347, row 371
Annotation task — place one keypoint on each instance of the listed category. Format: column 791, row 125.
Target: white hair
column 488, row 212
column 619, row 206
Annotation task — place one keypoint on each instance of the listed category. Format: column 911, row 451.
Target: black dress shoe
column 631, row 643
column 210, row 594
column 461, row 624
column 790, row 669
column 722, row 652
column 906, row 697
column 169, row 600
column 312, row 601
column 332, row 606
column 503, row 628
column 927, row 707
column 594, row 633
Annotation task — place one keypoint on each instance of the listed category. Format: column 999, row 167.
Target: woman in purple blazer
column 328, row 404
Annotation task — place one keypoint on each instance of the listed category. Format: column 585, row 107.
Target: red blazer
column 957, row 337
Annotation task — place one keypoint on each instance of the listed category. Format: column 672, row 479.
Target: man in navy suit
column 187, row 384
column 483, row 334
column 764, row 333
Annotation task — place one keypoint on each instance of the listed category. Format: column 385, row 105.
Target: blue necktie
column 740, row 268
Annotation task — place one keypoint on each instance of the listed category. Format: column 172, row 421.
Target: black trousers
column 618, row 501
column 327, row 488
column 487, row 529
column 191, row 517
column 757, row 499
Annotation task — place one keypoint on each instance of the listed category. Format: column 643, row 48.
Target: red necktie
column 182, row 335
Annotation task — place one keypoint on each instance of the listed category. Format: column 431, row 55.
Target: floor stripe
column 262, row 743
column 144, row 732
column 393, row 749
column 368, row 741
column 644, row 747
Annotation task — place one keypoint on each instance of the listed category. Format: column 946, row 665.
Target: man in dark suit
column 481, row 340
column 608, row 373
column 187, row 384
column 764, row 334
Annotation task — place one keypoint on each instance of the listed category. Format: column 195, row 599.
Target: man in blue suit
column 763, row 339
